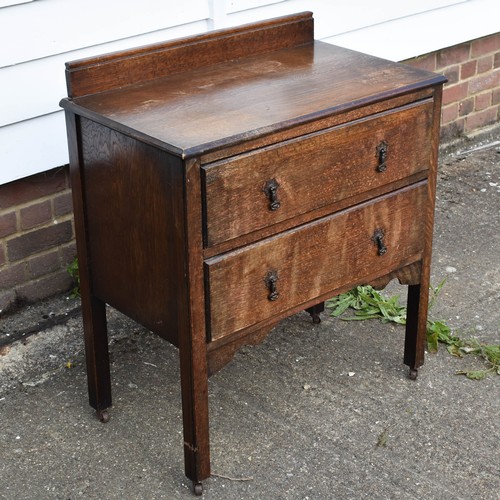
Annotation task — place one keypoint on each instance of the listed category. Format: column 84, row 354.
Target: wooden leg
column 194, row 386
column 93, row 310
column 97, row 356
column 315, row 311
column 193, row 340
column 416, row 328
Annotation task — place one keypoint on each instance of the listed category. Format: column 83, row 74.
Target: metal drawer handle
column 271, row 189
column 382, row 157
column 378, row 239
column 270, row 280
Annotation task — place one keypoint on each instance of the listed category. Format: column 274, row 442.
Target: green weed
column 368, row 303
column 73, row 272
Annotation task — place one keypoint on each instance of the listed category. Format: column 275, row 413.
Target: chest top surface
column 208, row 107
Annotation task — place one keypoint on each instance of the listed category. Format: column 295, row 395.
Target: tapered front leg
column 194, row 386
column 193, row 339
column 418, row 294
column 416, row 328
column 97, row 355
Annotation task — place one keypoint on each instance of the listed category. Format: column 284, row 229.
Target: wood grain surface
column 208, row 108
column 314, row 259
column 317, row 170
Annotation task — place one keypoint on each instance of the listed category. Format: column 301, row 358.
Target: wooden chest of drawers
column 226, row 181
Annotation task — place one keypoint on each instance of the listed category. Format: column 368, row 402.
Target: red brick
column 485, row 64
column 455, row 93
column 63, row 204
column 452, row 74
column 13, row 275
column 452, row 130
column 45, row 287
column 449, row 113
column 453, row 55
column 485, row 45
column 39, row 240
column 483, row 101
column 484, row 82
column 33, row 187
column 68, row 253
column 8, row 224
column 481, row 119
column 44, row 264
column 468, row 69
column 36, row 214
column 466, row 106
column 495, row 99
column 427, row 62
column 7, row 301
column 496, row 61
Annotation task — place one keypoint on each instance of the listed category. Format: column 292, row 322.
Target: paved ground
column 315, row 412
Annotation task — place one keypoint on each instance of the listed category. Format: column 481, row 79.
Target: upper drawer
column 267, row 186
column 315, row 259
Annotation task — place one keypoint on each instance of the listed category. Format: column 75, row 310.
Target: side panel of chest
column 135, row 225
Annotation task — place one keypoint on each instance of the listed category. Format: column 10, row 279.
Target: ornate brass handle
column 271, row 280
column 382, row 157
column 378, row 239
column 271, row 189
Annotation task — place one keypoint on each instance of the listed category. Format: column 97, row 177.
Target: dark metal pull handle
column 271, row 280
column 378, row 239
column 382, row 157
column 271, row 189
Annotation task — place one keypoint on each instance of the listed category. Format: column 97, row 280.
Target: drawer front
column 259, row 189
column 251, row 284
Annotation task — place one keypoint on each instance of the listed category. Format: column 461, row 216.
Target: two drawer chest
column 225, row 181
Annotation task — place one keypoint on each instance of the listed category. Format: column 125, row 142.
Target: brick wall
column 36, row 237
column 471, row 98
column 36, row 229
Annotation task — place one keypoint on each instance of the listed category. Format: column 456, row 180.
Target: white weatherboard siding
column 8, row 3
column 38, row 36
column 47, row 27
column 424, row 32
column 26, row 145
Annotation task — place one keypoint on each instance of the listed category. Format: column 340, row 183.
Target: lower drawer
column 256, row 282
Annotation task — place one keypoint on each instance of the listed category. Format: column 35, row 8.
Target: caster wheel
column 316, row 319
column 413, row 373
column 102, row 415
column 198, row 489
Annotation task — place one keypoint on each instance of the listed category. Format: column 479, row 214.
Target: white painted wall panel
column 35, row 88
column 8, row 3
column 356, row 14
column 426, row 32
column 331, row 17
column 44, row 28
column 339, row 16
column 32, row 146
column 239, row 5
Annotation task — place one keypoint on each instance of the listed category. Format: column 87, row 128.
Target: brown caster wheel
column 314, row 312
column 198, row 489
column 413, row 374
column 316, row 318
column 102, row 415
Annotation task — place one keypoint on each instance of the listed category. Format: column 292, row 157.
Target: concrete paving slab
column 314, row 412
